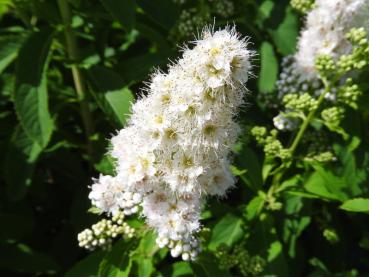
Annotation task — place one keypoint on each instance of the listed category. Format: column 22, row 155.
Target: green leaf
column 326, row 185
column 145, row 267
column 356, row 205
column 228, row 230
column 88, row 267
column 268, row 165
column 264, row 241
column 290, row 183
column 238, row 172
column 269, row 68
column 117, row 262
column 286, row 35
column 21, row 157
column 321, row 269
column 274, row 250
column 144, row 253
column 302, row 194
column 295, row 228
column 148, row 246
column 254, row 207
column 294, row 224
column 120, row 101
column 264, row 11
column 353, row 173
column 113, row 97
column 9, row 46
column 4, row 7
column 106, row 165
column 30, row 94
column 247, row 160
column 181, row 269
column 124, row 11
column 316, row 185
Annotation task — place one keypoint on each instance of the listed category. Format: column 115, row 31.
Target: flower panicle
column 175, row 150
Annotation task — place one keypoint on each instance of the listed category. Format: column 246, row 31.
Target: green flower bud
column 303, row 102
column 349, row 94
column 322, row 157
column 359, row 56
column 331, row 235
column 325, row 64
column 333, row 116
column 259, row 133
column 357, row 36
column 303, row 6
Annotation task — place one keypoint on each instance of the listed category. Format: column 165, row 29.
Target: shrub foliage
column 69, row 71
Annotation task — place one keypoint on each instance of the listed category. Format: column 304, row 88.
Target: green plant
column 69, row 72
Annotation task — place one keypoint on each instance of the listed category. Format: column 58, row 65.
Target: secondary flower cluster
column 175, row 150
column 325, row 31
column 324, row 40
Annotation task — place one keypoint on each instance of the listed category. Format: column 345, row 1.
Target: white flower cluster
column 108, row 195
column 176, row 148
column 102, row 233
column 326, row 26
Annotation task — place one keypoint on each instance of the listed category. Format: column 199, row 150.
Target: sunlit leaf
column 356, row 205
column 110, row 91
column 228, row 230
column 268, row 69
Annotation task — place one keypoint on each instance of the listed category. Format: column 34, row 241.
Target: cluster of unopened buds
column 302, row 6
column 176, row 148
column 102, row 233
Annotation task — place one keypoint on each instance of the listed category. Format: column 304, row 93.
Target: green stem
column 72, row 51
column 309, row 118
column 279, row 172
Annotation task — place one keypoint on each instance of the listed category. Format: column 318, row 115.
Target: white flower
column 176, row 147
column 106, row 194
column 109, row 195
